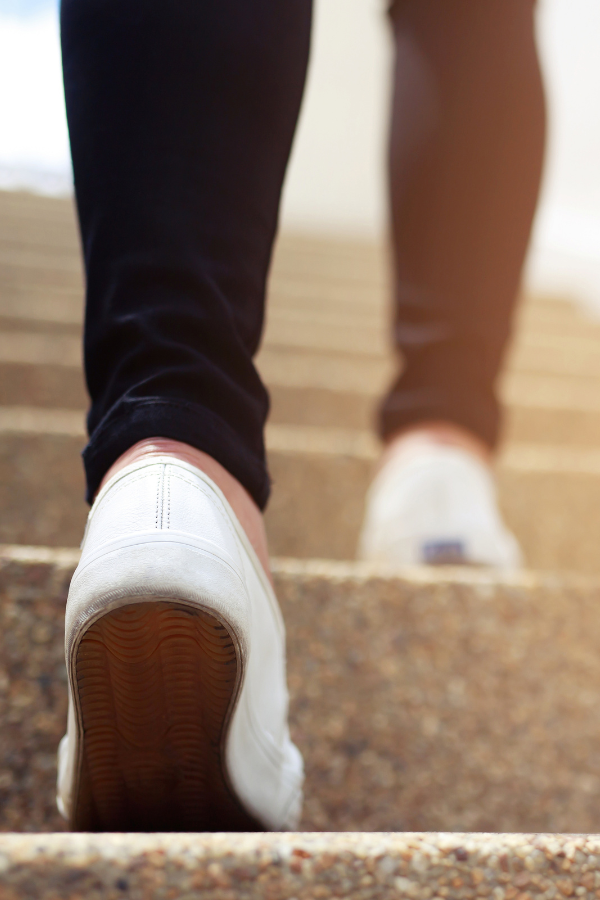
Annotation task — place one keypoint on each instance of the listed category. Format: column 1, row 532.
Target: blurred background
column 335, row 183
column 326, row 356
column 464, row 708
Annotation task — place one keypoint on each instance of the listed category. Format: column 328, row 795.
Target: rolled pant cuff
column 131, row 421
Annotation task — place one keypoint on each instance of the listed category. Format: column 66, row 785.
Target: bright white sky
column 34, row 146
column 336, row 178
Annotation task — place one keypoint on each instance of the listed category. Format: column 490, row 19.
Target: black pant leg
column 181, row 117
column 466, row 153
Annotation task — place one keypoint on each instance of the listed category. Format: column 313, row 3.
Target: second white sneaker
column 175, row 651
column 437, row 506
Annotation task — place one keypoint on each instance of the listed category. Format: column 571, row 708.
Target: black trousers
column 181, row 119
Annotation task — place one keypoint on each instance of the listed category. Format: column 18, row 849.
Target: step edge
column 336, row 571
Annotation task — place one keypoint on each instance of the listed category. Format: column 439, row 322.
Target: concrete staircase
column 326, row 360
column 427, row 701
column 423, row 700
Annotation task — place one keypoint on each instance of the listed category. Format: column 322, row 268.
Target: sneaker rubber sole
column 157, row 681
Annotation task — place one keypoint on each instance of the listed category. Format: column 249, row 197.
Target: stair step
column 320, row 477
column 547, row 423
column 39, row 385
column 550, row 497
column 541, row 409
column 310, row 369
column 531, row 351
column 302, row 866
column 422, row 700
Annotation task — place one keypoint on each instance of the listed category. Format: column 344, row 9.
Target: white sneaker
column 434, row 507
column 175, row 651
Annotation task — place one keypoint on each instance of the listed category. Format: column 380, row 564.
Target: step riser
column 326, row 497
column 58, row 387
column 392, row 681
column 343, row 347
column 62, row 387
column 41, row 490
column 317, row 507
column 322, row 408
column 528, row 425
column 556, row 354
column 317, row 504
column 315, row 510
column 522, row 424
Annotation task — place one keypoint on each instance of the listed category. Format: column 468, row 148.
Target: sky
column 34, row 146
column 335, row 182
column 24, row 7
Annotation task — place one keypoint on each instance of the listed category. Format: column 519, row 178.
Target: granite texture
column 33, row 699
column 444, row 700
column 429, row 700
column 300, row 867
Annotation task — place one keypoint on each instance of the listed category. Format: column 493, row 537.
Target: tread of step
column 301, row 866
column 422, row 700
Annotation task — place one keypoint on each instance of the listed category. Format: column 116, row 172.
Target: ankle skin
column 411, row 441
column 246, row 510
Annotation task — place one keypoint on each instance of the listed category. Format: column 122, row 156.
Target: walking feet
column 433, row 501
column 175, row 646
column 175, row 651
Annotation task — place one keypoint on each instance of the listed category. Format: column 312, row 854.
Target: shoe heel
column 156, row 683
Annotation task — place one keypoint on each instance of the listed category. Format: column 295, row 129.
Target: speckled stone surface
column 444, row 700
column 423, row 701
column 300, row 867
column 33, row 702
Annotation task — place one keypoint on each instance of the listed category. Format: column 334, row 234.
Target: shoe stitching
column 168, row 477
column 112, row 493
column 269, row 749
column 158, row 502
column 162, row 497
column 202, row 487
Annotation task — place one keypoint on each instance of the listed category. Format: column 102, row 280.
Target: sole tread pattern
column 155, row 682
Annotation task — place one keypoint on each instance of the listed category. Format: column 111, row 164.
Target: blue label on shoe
column 444, row 553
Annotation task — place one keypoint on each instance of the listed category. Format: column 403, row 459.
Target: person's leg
column 181, row 119
column 466, row 152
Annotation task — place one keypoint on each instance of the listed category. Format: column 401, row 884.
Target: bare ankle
column 415, row 438
column 246, row 510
